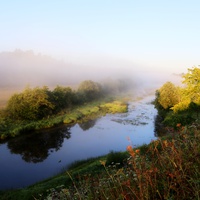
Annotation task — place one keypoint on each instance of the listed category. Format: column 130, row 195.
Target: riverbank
column 10, row 128
column 42, row 154
column 166, row 168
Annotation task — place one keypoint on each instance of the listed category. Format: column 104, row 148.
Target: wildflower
column 178, row 125
column 137, row 151
column 103, row 162
column 130, row 150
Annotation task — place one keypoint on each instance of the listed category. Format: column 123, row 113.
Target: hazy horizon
column 65, row 42
column 149, row 36
column 21, row 68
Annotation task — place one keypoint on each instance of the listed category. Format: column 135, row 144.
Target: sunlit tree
column 190, row 96
column 31, row 104
column 192, row 82
column 168, row 95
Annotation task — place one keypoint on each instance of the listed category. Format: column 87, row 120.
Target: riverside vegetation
column 39, row 108
column 168, row 168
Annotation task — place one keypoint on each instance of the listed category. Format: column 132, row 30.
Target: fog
column 21, row 68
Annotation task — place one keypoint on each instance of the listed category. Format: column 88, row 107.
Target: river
column 36, row 156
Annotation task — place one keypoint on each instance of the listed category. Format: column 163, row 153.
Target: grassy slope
column 40, row 189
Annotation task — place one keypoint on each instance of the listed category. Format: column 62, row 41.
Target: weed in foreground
column 168, row 169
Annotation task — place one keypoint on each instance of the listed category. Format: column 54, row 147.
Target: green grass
column 115, row 107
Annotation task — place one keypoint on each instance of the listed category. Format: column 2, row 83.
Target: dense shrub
column 172, row 119
column 62, row 97
column 89, row 90
column 31, row 104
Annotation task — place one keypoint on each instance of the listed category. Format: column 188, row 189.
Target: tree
column 62, row 97
column 190, row 95
column 168, row 95
column 192, row 82
column 31, row 104
column 90, row 90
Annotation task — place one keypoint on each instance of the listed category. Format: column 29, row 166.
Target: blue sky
column 154, row 35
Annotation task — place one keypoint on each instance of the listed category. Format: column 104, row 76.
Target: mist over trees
column 38, row 103
column 21, row 68
column 26, row 68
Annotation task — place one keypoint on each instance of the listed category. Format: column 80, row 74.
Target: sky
column 146, row 35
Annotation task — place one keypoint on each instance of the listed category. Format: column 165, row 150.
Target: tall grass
column 165, row 169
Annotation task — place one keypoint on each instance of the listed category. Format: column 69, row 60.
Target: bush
column 118, row 158
column 31, row 104
column 172, row 119
column 89, row 90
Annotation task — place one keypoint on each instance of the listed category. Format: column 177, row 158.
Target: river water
column 36, row 156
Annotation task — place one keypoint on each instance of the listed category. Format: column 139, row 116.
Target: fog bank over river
column 20, row 68
column 36, row 156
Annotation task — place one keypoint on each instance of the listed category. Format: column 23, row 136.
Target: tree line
column 180, row 105
column 40, row 102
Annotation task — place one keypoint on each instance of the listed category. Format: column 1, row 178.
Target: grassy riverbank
column 11, row 128
column 168, row 168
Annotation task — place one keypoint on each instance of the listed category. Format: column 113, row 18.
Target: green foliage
column 31, row 104
column 161, row 111
column 190, row 93
column 183, row 118
column 62, row 97
column 168, row 95
column 115, row 107
column 194, row 107
column 117, row 158
column 90, row 90
column 192, row 81
column 38, row 103
column 90, row 110
column 183, row 101
column 72, row 117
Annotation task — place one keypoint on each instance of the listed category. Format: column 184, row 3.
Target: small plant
column 118, row 158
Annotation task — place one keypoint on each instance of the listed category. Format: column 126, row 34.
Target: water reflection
column 88, row 124
column 36, row 147
column 159, row 129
